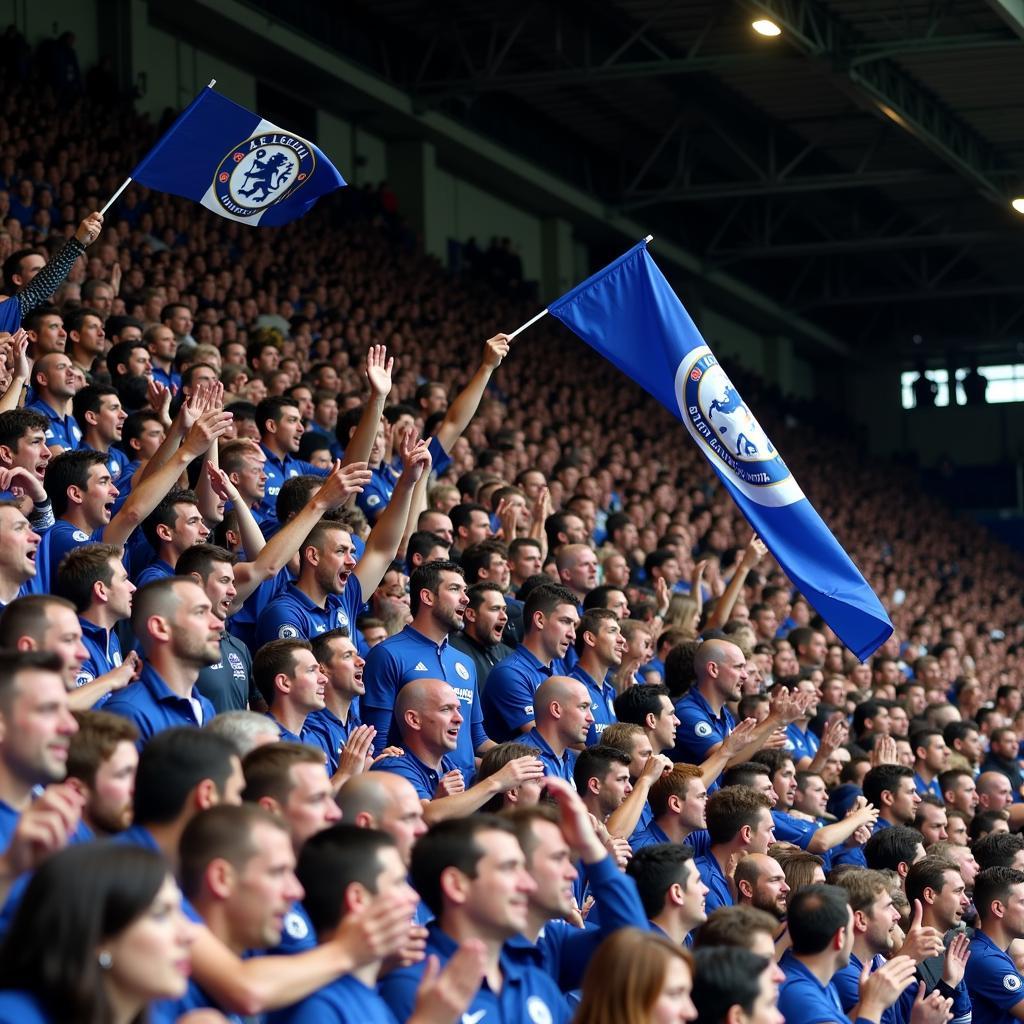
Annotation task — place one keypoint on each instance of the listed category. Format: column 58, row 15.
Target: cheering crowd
column 357, row 668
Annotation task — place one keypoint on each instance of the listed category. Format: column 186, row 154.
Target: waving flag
column 629, row 313
column 237, row 164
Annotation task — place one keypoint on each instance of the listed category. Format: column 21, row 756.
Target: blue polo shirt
column 54, row 544
column 117, row 462
column 9, row 818
column 171, row 380
column 719, row 893
column 243, row 623
column 158, row 570
column 803, row 998
column 558, row 767
column 993, row 981
column 527, row 992
column 279, row 470
column 846, row 982
column 699, row 841
column 699, row 729
column 104, row 655
column 61, row 430
column 789, row 829
column 423, row 778
column 801, row 744
column 410, row 655
column 330, row 733
column 508, row 697
column 153, row 707
column 292, row 614
column 602, row 700
column 927, row 788
column 376, row 495
column 344, row 1001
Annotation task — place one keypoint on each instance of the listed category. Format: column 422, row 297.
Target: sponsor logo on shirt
column 420, row 667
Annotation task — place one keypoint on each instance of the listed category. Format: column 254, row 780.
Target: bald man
column 387, row 802
column 173, row 620
column 427, row 712
column 704, row 718
column 761, row 883
column 562, row 719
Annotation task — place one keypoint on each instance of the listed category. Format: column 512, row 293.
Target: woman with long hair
column 98, row 935
column 638, row 977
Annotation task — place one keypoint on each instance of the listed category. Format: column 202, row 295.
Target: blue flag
column 237, row 164
column 629, row 313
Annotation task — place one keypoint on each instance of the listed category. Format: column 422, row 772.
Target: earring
column 105, row 959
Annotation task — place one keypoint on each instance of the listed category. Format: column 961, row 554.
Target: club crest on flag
column 262, row 171
column 720, row 420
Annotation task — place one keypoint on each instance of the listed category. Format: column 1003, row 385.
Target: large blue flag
column 237, row 164
column 629, row 313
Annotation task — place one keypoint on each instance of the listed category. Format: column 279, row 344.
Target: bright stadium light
column 766, row 27
column 1018, row 204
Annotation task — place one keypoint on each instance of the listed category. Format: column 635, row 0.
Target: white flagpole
column 544, row 312
column 127, row 181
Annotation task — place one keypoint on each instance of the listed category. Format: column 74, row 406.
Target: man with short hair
column 485, row 619
column 734, row 984
column 86, row 340
column 959, row 790
column 36, row 726
column 171, row 528
column 931, row 820
column 163, row 347
column 671, row 890
column 438, row 600
column 1000, row 849
column 550, row 618
column 993, row 979
column 429, row 719
column 174, row 622
column 281, row 430
column 891, row 788
column 45, row 328
column 385, row 801
column 18, row 546
column 577, row 569
column 678, row 803
column 601, row 777
column 894, row 849
column 524, row 560
column 53, row 382
column 25, row 456
column 931, row 759
column 288, row 677
column 93, row 578
column 600, row 647
column 102, row 761
column 342, row 668
column 739, row 822
column 821, row 932
column 471, row 873
column 1003, row 748
column 97, row 410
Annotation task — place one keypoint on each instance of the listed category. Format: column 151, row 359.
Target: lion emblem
column 266, row 175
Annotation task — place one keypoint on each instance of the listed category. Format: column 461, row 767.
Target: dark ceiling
column 858, row 168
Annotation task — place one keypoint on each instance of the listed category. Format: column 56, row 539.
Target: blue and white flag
column 237, row 164
column 629, row 313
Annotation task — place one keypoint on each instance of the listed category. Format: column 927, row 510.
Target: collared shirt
column 558, row 767
column 330, row 733
column 345, row 1000
column 292, row 614
column 376, row 495
column 226, row 684
column 410, row 655
column 159, row 570
column 993, row 981
column 54, row 544
column 511, row 687
column 171, row 381
column 117, row 462
column 927, row 788
column 602, row 701
column 104, row 655
column 279, row 470
column 527, row 992
column 424, row 779
column 700, row 728
column 62, row 431
column 790, row 829
column 801, row 742
column 719, row 893
column 846, row 982
column 153, row 706
column 699, row 841
column 9, row 819
column 803, row 998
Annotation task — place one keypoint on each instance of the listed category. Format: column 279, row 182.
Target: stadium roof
column 858, row 168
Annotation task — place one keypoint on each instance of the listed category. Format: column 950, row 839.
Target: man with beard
column 438, row 600
column 102, row 760
column 53, row 379
column 486, row 616
column 761, row 883
column 600, row 646
column 174, row 622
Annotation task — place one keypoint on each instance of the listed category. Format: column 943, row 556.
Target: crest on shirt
column 461, row 669
column 702, row 729
column 1011, row 982
column 287, row 632
column 294, row 926
column 373, row 500
column 80, row 535
column 261, row 171
column 537, row 1010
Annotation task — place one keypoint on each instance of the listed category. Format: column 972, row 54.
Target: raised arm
column 378, row 374
column 463, row 409
column 382, row 544
column 20, row 371
column 753, row 554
